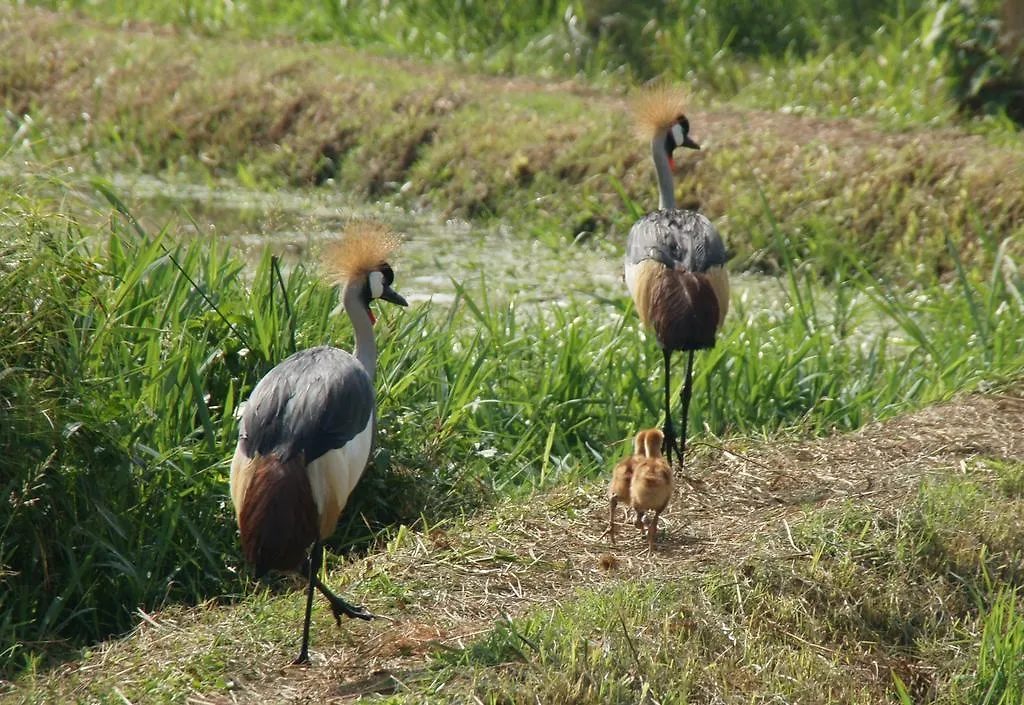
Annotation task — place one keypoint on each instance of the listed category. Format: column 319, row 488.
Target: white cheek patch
column 677, row 134
column 376, row 284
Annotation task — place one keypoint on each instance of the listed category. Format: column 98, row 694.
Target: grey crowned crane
column 675, row 259
column 306, row 431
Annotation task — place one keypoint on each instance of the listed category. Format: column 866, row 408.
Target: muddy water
column 436, row 254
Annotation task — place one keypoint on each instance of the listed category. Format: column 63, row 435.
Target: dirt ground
column 730, row 506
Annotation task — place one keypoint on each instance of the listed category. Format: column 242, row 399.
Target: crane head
column 679, row 136
column 658, row 116
column 638, row 443
column 654, row 438
column 378, row 286
column 359, row 259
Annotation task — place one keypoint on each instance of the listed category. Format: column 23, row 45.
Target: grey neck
column 666, row 187
column 366, row 344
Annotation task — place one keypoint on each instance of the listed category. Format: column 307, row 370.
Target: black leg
column 315, row 560
column 339, row 607
column 687, row 391
column 670, row 437
column 671, row 442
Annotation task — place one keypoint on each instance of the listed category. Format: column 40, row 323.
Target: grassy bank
column 850, row 569
column 859, row 604
column 128, row 354
column 128, row 350
column 871, row 58
column 556, row 157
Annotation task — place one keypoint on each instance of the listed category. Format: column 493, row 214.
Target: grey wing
column 686, row 238
column 312, row 402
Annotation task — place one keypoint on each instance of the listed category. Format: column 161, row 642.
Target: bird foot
column 302, row 660
column 671, row 447
column 339, row 607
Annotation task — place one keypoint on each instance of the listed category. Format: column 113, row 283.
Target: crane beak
column 392, row 296
column 689, row 144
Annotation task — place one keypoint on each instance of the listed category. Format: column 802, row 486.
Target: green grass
column 999, row 675
column 877, row 59
column 476, row 35
column 859, row 602
column 540, row 159
column 127, row 351
column 127, row 355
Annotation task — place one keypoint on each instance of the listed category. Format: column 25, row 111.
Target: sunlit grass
column 912, row 603
column 872, row 59
column 127, row 355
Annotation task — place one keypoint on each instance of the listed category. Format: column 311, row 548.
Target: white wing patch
column 376, row 284
column 239, row 482
column 334, row 475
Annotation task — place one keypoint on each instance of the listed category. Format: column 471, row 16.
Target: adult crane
column 306, row 431
column 675, row 258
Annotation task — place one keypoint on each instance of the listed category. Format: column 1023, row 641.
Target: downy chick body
column 622, row 479
column 652, row 484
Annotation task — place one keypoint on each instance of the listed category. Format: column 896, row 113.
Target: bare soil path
column 442, row 588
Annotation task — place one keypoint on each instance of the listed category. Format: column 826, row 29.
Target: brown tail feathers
column 684, row 310
column 279, row 519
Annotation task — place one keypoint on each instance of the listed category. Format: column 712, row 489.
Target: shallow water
column 436, row 253
column 440, row 255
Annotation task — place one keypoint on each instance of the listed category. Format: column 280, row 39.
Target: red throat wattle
column 671, row 163
column 373, row 319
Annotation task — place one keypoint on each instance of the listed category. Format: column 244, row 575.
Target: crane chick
column 652, row 486
column 644, row 481
column 305, row 433
column 622, row 479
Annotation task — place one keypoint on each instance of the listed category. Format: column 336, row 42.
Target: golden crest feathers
column 656, row 107
column 363, row 246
